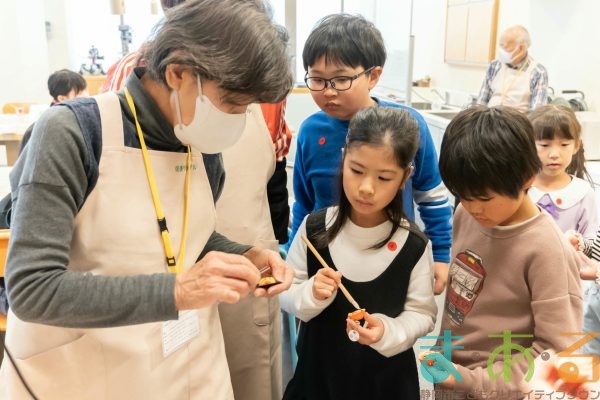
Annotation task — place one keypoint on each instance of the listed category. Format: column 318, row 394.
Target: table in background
column 12, row 128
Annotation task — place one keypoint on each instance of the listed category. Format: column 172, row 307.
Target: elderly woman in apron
column 114, row 268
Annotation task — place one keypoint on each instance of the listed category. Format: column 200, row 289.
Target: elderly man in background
column 514, row 78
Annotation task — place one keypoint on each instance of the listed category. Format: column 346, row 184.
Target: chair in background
column 4, row 235
column 16, row 108
column 94, row 83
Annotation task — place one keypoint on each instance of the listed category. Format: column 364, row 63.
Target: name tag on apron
column 177, row 333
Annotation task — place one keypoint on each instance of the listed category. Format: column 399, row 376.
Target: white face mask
column 505, row 56
column 212, row 130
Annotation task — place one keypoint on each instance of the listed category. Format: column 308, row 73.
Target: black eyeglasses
column 339, row 83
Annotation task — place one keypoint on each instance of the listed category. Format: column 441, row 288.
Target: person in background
column 63, row 85
column 344, row 57
column 115, row 268
column 384, row 261
column 515, row 79
column 252, row 209
column 499, row 282
column 562, row 187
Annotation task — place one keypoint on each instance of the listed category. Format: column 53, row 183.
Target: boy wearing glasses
column 344, row 57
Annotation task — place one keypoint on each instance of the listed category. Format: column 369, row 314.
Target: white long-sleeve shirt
column 352, row 257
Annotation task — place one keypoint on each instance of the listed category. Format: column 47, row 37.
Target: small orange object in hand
column 357, row 315
column 430, row 362
column 266, row 281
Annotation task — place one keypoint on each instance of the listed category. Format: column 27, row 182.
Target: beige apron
column 116, row 233
column 251, row 328
column 512, row 87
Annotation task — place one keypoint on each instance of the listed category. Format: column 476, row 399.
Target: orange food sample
column 357, row 315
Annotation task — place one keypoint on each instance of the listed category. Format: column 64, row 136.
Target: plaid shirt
column 538, row 84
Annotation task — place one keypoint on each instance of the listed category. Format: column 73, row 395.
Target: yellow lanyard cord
column 174, row 267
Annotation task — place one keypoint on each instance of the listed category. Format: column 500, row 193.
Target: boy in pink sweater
column 513, row 277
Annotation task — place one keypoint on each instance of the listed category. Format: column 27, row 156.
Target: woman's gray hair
column 232, row 42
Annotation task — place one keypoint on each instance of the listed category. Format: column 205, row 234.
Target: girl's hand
column 369, row 335
column 589, row 268
column 326, row 282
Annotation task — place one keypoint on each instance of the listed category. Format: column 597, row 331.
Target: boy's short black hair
column 346, row 39
column 488, row 150
column 61, row 82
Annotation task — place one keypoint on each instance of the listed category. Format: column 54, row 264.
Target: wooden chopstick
column 263, row 270
column 324, row 264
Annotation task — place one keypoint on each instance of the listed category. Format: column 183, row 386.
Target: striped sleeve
column 281, row 134
column 593, row 250
column 118, row 72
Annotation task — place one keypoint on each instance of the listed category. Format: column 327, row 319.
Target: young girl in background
column 559, row 188
column 382, row 260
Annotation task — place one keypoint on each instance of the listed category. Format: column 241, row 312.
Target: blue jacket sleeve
column 431, row 196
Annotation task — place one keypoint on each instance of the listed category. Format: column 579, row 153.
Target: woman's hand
column 369, row 335
column 326, row 282
column 262, row 258
column 216, row 277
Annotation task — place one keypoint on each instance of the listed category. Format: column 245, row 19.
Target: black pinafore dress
column 330, row 366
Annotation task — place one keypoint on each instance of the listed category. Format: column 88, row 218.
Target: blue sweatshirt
column 318, row 159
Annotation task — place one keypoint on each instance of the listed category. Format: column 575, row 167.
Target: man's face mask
column 505, row 56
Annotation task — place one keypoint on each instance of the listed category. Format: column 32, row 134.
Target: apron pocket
column 260, row 311
column 71, row 371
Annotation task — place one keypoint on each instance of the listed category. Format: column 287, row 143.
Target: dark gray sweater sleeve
column 218, row 242
column 49, row 183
